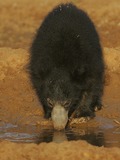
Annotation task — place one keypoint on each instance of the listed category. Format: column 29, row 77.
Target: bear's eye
column 50, row 102
column 66, row 104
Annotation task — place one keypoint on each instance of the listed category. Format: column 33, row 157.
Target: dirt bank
column 66, row 150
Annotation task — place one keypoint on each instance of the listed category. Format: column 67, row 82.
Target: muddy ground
column 19, row 105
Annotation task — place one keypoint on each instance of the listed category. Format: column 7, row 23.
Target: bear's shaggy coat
column 66, row 63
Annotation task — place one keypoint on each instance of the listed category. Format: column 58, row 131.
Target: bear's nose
column 59, row 127
column 59, row 117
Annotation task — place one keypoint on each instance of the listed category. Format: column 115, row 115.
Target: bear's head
column 61, row 95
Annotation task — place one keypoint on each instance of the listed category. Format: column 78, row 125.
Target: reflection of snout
column 59, row 136
column 59, row 117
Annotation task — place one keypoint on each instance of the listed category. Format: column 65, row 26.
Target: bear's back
column 67, row 38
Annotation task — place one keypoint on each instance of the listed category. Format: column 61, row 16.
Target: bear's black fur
column 66, row 63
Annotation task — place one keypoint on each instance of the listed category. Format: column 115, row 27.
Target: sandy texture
column 18, row 102
column 21, row 18
column 63, row 151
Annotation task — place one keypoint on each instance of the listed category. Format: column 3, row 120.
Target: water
column 101, row 136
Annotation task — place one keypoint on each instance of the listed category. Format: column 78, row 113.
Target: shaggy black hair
column 66, row 61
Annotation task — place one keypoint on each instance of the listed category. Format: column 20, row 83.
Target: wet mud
column 97, row 136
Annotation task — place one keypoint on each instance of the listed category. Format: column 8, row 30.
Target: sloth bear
column 66, row 65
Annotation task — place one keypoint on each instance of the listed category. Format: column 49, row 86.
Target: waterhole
column 107, row 135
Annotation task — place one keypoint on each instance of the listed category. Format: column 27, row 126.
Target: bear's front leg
column 96, row 103
column 84, row 108
column 47, row 114
column 47, row 110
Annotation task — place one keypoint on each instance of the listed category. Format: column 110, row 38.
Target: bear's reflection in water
column 109, row 137
column 91, row 136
